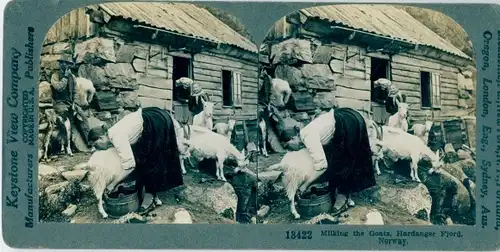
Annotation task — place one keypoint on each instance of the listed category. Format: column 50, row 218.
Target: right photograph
column 367, row 117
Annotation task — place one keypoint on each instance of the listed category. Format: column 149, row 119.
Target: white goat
column 375, row 135
column 298, row 174
column 105, row 173
column 399, row 120
column 225, row 129
column 206, row 144
column 280, row 89
column 422, row 130
column 182, row 132
column 204, row 118
column 406, row 145
column 84, row 90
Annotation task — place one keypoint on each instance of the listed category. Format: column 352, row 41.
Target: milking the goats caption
column 21, row 127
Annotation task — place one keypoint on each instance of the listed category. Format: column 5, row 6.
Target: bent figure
column 145, row 140
column 338, row 142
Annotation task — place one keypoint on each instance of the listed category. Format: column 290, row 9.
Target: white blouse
column 317, row 133
column 125, row 133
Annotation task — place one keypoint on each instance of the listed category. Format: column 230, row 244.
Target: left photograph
column 148, row 114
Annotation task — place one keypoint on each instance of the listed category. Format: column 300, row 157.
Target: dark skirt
column 349, row 155
column 157, row 156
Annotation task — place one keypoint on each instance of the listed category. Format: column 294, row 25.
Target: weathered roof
column 183, row 18
column 385, row 20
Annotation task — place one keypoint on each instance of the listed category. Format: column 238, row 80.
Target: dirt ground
column 280, row 208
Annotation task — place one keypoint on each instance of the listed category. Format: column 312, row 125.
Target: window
column 380, row 68
column 430, row 90
column 181, row 68
column 231, row 88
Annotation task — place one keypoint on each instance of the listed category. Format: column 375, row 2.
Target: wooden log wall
column 74, row 24
column 353, row 80
column 207, row 70
column 406, row 75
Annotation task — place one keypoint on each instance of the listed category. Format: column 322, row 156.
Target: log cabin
column 332, row 54
column 134, row 52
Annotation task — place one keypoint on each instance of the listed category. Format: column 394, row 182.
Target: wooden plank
column 155, row 82
column 412, row 61
column 151, row 92
column 406, row 79
column 360, row 84
column 222, row 61
column 355, row 74
column 403, row 73
column 217, row 66
column 353, row 103
column 352, row 93
column 154, row 102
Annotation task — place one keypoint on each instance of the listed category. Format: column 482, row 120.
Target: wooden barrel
column 470, row 127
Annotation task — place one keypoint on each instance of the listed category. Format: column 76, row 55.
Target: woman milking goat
column 338, row 142
column 146, row 143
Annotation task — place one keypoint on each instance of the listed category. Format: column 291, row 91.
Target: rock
column 76, row 175
column 182, row 216
column 95, row 74
column 463, row 155
column 46, row 170
column 78, row 140
column 291, row 74
column 70, row 210
column 449, row 148
column 450, row 198
column 269, row 176
column 50, row 61
column 291, row 51
column 121, row 75
column 325, row 100
column 323, row 54
column 263, row 211
column 125, row 53
column 95, row 51
column 469, row 168
column 128, row 100
column 318, row 76
column 44, row 92
column 56, row 187
column 374, row 218
column 411, row 197
column 61, row 48
column 220, row 198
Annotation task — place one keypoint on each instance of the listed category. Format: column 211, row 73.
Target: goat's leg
column 220, row 168
column 296, row 215
column 414, row 168
column 117, row 179
column 313, row 177
column 47, row 142
column 350, row 202
column 99, row 191
column 376, row 165
column 183, row 168
column 157, row 200
column 67, row 126
column 263, row 134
